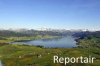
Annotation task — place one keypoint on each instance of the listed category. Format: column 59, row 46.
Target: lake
column 64, row 42
column 0, row 63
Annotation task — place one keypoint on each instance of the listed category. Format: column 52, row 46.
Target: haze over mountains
column 33, row 32
column 46, row 29
column 52, row 32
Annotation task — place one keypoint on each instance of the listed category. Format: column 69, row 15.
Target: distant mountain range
column 52, row 32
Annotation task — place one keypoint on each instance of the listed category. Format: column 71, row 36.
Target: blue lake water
column 64, row 42
column 0, row 63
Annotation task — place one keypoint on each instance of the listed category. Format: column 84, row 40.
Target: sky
column 55, row 14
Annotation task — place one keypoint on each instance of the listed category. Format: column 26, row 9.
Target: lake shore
column 25, row 54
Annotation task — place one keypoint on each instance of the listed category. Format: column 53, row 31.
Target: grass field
column 27, row 55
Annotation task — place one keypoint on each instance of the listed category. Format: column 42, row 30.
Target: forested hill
column 87, row 34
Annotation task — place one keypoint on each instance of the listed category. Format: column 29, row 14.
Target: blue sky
column 56, row 14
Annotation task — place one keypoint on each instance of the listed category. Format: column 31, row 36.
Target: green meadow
column 28, row 55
